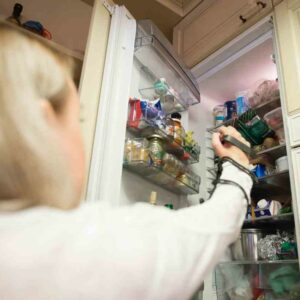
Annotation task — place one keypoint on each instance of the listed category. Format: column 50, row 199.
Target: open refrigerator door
column 145, row 86
column 158, row 147
column 104, row 178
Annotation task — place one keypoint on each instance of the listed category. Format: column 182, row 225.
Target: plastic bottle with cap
column 178, row 129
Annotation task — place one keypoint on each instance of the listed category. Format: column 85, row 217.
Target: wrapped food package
column 265, row 92
column 277, row 246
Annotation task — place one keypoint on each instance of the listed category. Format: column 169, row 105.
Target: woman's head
column 41, row 150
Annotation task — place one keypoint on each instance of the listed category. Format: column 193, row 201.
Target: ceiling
column 164, row 13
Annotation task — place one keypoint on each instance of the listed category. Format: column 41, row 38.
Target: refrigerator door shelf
column 170, row 101
column 184, row 185
column 170, row 144
column 158, row 58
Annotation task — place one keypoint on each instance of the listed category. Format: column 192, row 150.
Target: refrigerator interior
column 243, row 74
column 246, row 73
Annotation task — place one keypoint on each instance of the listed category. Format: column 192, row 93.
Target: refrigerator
column 138, row 57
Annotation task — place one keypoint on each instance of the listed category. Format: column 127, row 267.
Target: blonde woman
column 52, row 249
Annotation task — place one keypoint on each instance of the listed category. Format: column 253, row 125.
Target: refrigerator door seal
column 104, row 180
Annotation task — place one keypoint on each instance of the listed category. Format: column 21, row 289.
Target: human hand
column 227, row 149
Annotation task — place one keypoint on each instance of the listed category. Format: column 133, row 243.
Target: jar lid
column 176, row 115
column 155, row 136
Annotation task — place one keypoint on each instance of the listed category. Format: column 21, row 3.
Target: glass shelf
column 259, row 262
column 158, row 60
column 279, row 221
column 274, row 152
column 271, row 186
column 170, row 100
column 171, row 146
column 187, row 184
column 261, row 110
column 251, row 280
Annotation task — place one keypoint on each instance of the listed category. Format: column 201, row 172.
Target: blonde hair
column 32, row 168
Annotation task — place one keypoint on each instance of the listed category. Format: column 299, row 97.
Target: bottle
column 241, row 102
column 16, row 14
column 170, row 206
column 178, row 129
column 153, row 198
column 219, row 114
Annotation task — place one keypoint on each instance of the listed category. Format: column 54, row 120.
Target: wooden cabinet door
column 287, row 23
column 213, row 24
column 295, row 181
column 294, row 130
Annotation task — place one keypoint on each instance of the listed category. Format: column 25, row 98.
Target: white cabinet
column 213, row 24
column 295, row 180
column 294, row 130
column 287, row 22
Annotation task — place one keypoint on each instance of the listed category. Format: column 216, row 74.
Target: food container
column 260, row 170
column 171, row 164
column 219, row 114
column 230, row 108
column 178, row 129
column 265, row 92
column 274, row 118
column 156, row 149
column 282, row 164
column 280, row 135
column 245, row 247
column 136, row 150
column 241, row 102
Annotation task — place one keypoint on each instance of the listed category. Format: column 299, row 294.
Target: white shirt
column 99, row 252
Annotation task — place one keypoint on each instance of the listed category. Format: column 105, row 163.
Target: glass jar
column 156, row 149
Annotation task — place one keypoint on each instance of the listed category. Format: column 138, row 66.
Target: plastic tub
column 280, row 135
column 274, row 118
column 282, row 164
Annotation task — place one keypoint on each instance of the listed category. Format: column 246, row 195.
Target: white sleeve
column 146, row 252
column 195, row 238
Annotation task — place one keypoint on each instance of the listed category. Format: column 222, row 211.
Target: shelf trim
column 266, row 151
column 266, row 218
column 259, row 262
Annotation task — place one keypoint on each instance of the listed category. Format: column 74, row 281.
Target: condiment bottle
column 170, row 206
column 156, row 149
column 178, row 129
column 16, row 14
column 153, row 198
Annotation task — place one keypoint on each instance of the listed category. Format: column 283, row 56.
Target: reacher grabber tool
column 233, row 141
